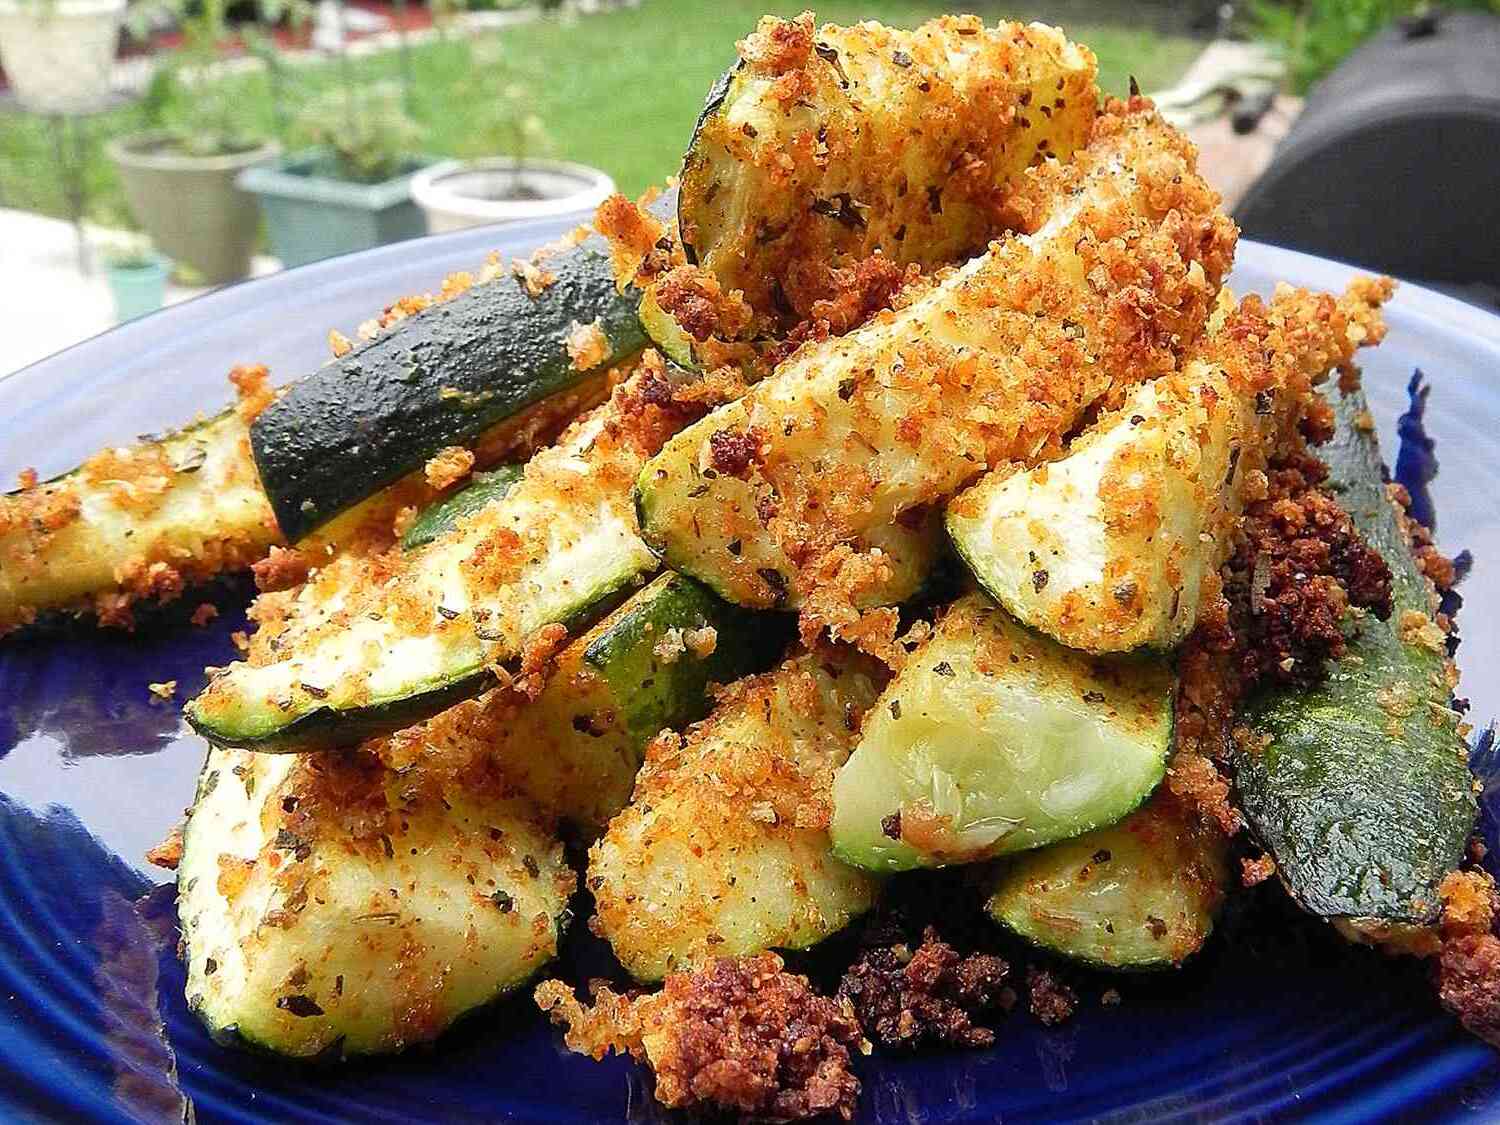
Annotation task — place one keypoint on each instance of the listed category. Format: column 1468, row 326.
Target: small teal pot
column 310, row 215
column 138, row 290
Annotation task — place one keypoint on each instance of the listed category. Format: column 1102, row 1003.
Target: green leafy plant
column 366, row 128
column 1316, row 34
column 186, row 98
column 499, row 92
column 127, row 251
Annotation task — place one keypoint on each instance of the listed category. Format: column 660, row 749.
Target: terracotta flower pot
column 59, row 55
column 190, row 205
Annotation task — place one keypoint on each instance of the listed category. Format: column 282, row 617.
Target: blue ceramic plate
column 1282, row 1022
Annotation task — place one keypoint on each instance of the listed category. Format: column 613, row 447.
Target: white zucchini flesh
column 1140, row 894
column 306, row 940
column 1107, row 549
column 724, row 849
column 993, row 739
column 993, row 362
column 189, row 504
column 560, row 540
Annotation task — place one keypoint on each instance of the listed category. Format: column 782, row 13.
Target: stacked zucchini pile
column 1065, row 401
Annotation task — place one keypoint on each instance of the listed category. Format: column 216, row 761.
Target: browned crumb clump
column 1468, row 981
column 839, row 300
column 907, row 998
column 448, row 466
column 281, row 569
column 205, row 613
column 1052, row 1001
column 587, row 345
column 741, row 1034
column 640, row 244
column 1468, row 963
column 253, row 382
column 701, row 306
column 1253, row 872
column 1303, row 564
column 168, row 853
column 732, row 452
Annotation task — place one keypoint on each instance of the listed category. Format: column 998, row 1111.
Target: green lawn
column 619, row 91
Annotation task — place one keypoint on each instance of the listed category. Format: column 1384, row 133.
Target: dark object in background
column 1395, row 161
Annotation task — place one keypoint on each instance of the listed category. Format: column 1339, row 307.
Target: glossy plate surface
column 1280, row 1023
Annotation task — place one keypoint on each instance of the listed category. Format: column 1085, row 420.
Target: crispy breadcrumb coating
column 837, row 142
column 742, row 1035
column 905, row 998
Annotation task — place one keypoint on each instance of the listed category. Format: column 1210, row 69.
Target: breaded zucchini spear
column 332, row 906
column 724, row 848
column 996, row 361
column 824, row 145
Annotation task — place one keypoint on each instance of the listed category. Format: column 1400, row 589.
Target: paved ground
column 47, row 302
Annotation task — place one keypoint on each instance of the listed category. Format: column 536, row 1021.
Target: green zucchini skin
column 1138, row 895
column 651, row 694
column 440, row 378
column 712, row 103
column 439, row 518
column 666, row 335
column 577, row 747
column 1361, row 791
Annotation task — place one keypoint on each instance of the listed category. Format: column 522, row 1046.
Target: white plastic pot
column 59, row 55
column 473, row 193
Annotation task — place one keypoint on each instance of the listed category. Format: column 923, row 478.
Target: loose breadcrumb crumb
column 168, row 853
column 703, row 642
column 587, row 345
column 164, row 690
column 1256, row 871
column 448, row 466
column 905, row 998
column 670, row 647
column 532, row 277
column 281, row 569
column 1052, row 1001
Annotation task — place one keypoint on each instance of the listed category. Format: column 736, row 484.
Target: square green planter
column 311, row 216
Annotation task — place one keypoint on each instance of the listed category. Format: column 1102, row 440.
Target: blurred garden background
column 282, row 131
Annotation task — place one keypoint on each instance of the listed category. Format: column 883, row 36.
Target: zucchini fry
column 724, row 848
column 821, row 147
column 1140, row 894
column 992, row 740
column 1359, row 785
column 574, row 750
column 995, row 362
column 1117, row 544
column 137, row 523
column 415, row 632
column 332, row 907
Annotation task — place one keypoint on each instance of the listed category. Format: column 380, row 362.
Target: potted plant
column 490, row 188
column 179, row 177
column 59, row 54
column 350, row 189
column 137, row 276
